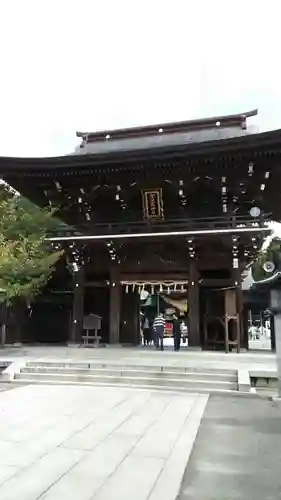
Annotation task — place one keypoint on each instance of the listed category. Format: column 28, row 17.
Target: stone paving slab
column 237, row 453
column 89, row 443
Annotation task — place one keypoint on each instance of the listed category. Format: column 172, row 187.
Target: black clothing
column 147, row 336
column 177, row 334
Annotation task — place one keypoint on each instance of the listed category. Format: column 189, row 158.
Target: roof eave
column 265, row 140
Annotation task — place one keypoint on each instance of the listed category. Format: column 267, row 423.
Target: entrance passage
column 172, row 304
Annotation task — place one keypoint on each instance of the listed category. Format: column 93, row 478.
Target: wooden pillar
column 78, row 306
column 236, row 273
column 136, row 323
column 244, row 327
column 193, row 306
column 130, row 318
column 240, row 307
column 114, row 306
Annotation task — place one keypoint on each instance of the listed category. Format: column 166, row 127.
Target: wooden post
column 114, row 306
column 239, row 304
column 3, row 320
column 78, row 306
column 130, row 318
column 3, row 335
column 193, row 305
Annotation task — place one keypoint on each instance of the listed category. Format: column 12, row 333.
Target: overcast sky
column 99, row 64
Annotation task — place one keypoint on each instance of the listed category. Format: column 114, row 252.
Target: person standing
column 177, row 333
column 159, row 327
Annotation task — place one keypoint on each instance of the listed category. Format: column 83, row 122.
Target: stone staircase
column 203, row 380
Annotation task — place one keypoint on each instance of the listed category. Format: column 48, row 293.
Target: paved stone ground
column 70, row 443
column 146, row 357
column 6, row 386
column 237, row 453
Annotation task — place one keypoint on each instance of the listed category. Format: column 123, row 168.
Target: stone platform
column 139, row 356
column 95, row 443
column 187, row 370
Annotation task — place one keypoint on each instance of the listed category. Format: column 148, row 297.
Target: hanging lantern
column 134, row 286
column 152, row 289
column 127, row 288
column 168, row 290
column 139, row 289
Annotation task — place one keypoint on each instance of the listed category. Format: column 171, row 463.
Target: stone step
column 162, row 388
column 129, row 372
column 199, row 383
column 112, row 365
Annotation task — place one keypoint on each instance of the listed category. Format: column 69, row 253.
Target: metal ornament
column 255, row 212
column 268, row 266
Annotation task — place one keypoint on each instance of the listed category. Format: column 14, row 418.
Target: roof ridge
column 169, row 127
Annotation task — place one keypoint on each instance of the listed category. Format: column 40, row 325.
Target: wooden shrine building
column 177, row 208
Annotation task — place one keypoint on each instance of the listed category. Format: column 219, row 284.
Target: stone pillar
column 193, row 306
column 114, row 306
column 78, row 306
column 277, row 325
column 275, row 305
column 272, row 333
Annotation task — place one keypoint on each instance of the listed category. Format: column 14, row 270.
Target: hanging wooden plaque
column 152, row 203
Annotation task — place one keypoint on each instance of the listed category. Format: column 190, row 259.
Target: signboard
column 152, row 203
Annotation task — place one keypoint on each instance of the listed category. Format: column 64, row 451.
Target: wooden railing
column 184, row 224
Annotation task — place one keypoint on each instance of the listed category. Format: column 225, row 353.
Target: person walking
column 159, row 327
column 146, row 332
column 177, row 333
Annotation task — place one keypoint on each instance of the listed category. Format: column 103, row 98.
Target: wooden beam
column 162, row 276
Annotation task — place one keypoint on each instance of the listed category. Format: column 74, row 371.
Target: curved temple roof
column 161, row 135
column 160, row 155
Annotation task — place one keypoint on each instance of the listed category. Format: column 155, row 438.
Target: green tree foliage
column 26, row 259
column 271, row 254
